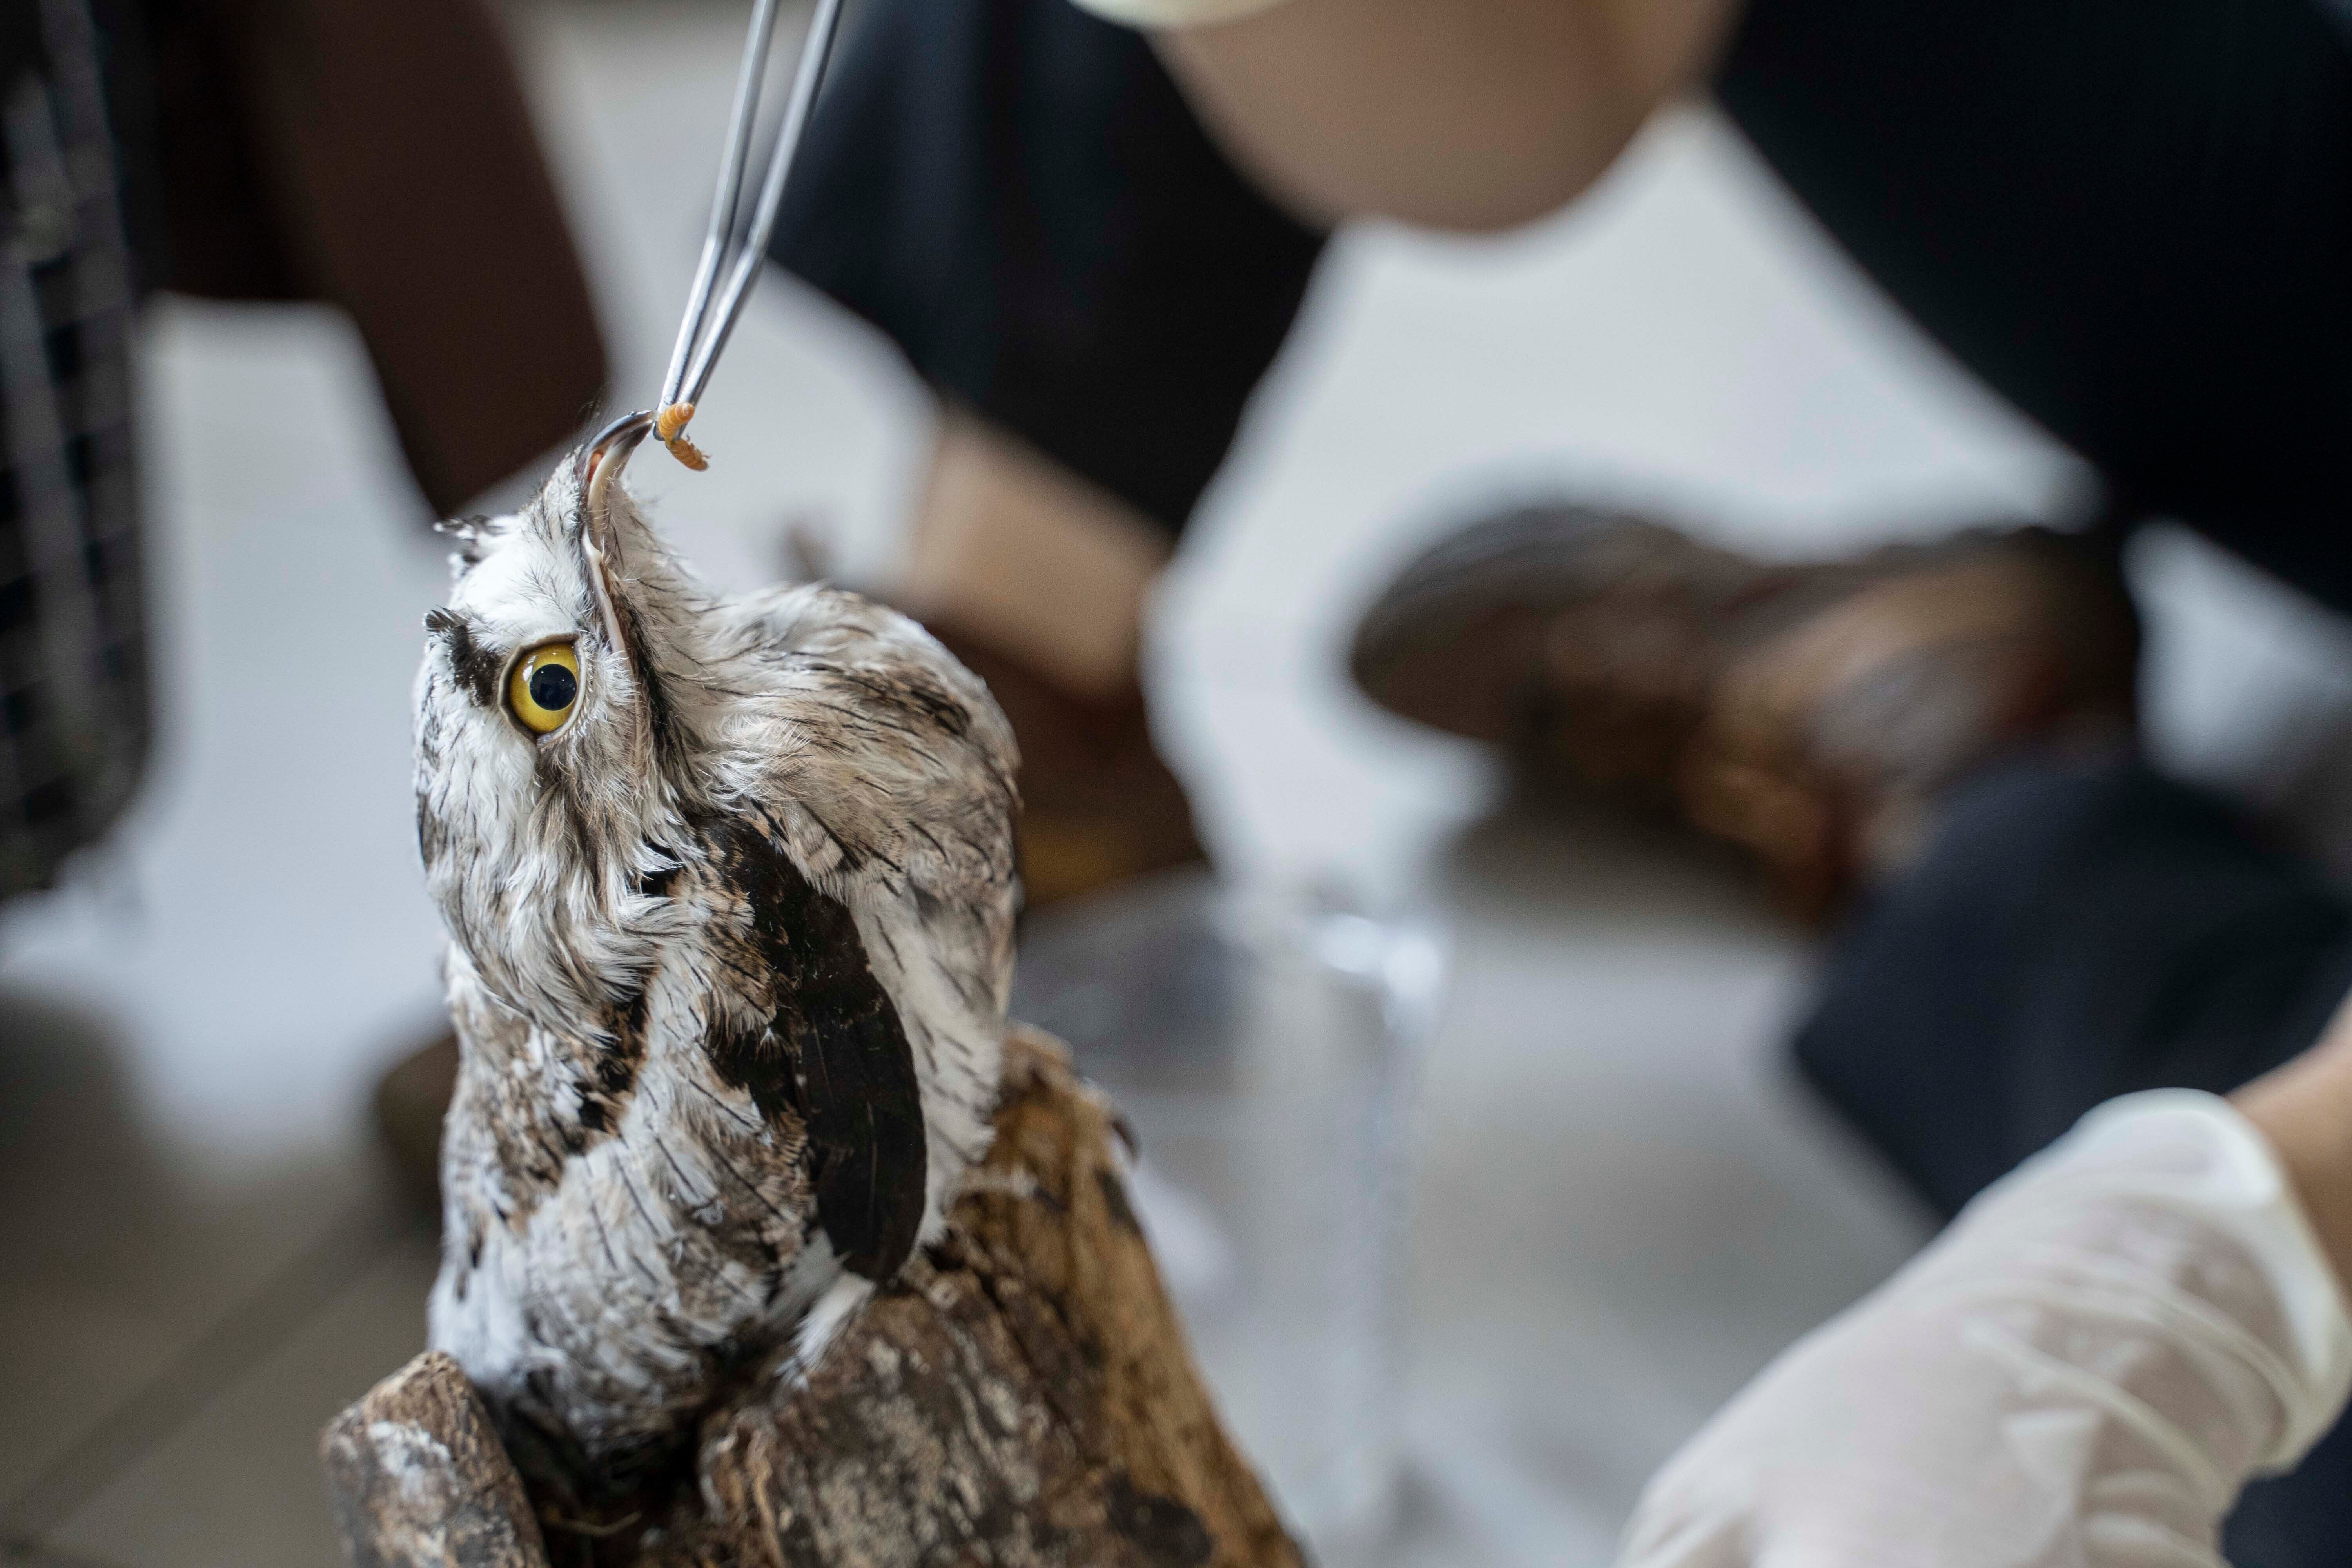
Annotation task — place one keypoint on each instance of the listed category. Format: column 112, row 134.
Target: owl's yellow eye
column 545, row 688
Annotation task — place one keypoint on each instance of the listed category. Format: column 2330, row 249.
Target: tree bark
column 419, row 1479
column 1022, row 1395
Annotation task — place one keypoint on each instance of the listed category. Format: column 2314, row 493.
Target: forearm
column 1470, row 114
column 2305, row 1109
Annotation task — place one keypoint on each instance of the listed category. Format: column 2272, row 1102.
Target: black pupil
column 552, row 687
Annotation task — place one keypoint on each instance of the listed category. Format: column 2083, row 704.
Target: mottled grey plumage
column 729, row 954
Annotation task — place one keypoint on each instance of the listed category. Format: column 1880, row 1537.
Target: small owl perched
column 730, row 891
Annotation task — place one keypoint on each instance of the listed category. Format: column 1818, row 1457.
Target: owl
column 730, row 890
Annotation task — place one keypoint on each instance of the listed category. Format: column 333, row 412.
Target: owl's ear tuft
column 474, row 534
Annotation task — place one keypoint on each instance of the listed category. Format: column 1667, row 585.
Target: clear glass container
column 1263, row 1046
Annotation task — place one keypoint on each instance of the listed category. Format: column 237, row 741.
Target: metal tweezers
column 737, row 250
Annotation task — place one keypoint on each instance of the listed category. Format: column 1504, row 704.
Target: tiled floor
column 1625, row 1209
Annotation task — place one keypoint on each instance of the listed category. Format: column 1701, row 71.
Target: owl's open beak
column 601, row 462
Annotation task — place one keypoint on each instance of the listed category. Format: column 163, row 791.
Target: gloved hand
column 2083, row 1369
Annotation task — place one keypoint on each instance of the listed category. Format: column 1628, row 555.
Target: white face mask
column 1181, row 12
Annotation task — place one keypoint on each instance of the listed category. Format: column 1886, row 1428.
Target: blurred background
column 1623, row 1204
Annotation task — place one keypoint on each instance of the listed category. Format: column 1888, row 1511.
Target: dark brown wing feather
column 833, row 1057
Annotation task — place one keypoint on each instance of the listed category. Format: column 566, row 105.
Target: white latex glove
column 2082, row 1370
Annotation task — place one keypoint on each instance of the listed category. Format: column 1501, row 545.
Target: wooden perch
column 1022, row 1395
column 417, row 1476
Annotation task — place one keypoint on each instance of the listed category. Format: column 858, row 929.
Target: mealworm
column 669, row 429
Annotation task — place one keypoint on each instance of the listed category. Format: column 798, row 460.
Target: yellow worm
column 669, row 428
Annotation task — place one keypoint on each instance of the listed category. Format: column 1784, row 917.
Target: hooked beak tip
column 602, row 460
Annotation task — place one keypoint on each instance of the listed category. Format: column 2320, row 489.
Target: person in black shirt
column 2132, row 218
